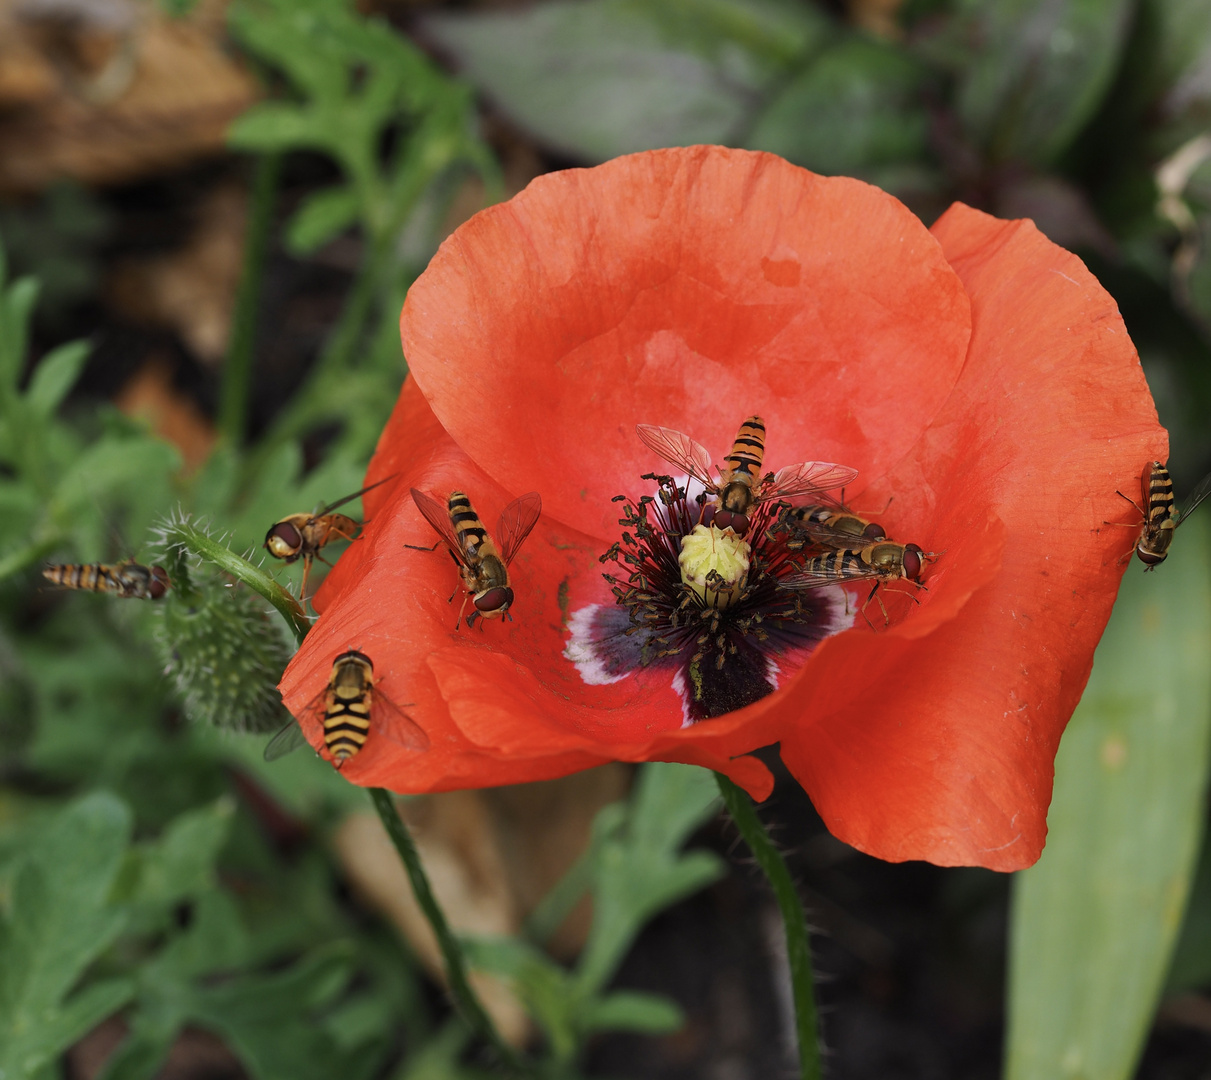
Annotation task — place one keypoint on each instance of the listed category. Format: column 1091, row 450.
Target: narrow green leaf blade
column 55, row 376
column 632, row 1010
column 323, row 214
column 1095, row 920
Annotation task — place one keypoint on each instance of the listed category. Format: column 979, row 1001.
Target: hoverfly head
column 284, row 541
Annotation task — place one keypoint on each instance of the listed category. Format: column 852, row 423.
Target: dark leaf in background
column 1036, row 73
column 606, row 77
column 855, row 109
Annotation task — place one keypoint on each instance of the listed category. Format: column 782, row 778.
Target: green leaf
column 1095, row 920
column 1039, row 72
column 630, row 1010
column 137, row 470
column 60, row 919
column 266, row 1019
column 854, row 108
column 1191, row 967
column 544, row 987
column 16, row 308
column 639, row 870
column 54, row 377
column 607, row 77
column 274, row 126
column 322, row 215
column 181, row 863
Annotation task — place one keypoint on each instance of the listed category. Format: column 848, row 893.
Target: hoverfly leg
column 303, row 583
column 874, row 595
column 1143, row 512
column 415, row 547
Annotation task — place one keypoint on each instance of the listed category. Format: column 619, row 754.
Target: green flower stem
column 456, row 967
column 798, row 944
column 243, row 571
column 237, row 371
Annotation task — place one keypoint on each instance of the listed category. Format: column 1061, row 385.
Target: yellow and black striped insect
column 301, row 536
column 825, row 525
column 1160, row 519
column 484, row 568
column 127, row 579
column 884, row 562
column 348, row 709
column 741, row 487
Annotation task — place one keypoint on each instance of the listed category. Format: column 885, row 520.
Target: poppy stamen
column 702, row 600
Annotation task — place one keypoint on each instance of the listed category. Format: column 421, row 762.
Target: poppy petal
column 948, row 755
column 685, row 288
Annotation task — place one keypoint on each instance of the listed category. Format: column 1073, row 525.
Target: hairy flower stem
column 456, row 967
column 798, row 944
column 195, row 540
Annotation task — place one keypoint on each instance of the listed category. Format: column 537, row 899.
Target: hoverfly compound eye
column 283, row 540
column 494, row 600
column 159, row 583
column 912, row 561
column 874, row 532
column 1150, row 558
column 729, row 519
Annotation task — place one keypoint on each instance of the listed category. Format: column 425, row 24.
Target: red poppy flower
column 977, row 377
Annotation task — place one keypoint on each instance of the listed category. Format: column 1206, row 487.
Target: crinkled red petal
column 940, row 745
column 686, row 288
column 497, row 701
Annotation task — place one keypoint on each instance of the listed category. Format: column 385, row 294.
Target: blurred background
column 222, row 205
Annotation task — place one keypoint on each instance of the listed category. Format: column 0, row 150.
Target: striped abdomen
column 473, row 538
column 887, row 561
column 826, row 526
column 1153, row 546
column 844, row 564
column 347, row 717
column 95, row 577
column 128, row 579
column 743, row 464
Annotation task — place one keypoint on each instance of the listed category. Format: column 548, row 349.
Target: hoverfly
column 831, row 526
column 345, row 709
column 300, row 536
column 1159, row 519
column 127, row 579
column 741, row 487
column 484, row 568
column 884, row 561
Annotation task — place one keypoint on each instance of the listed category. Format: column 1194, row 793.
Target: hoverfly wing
column 439, row 517
column 811, row 578
column 357, row 494
column 516, row 521
column 291, row 737
column 808, row 478
column 822, row 534
column 1201, row 491
column 286, row 741
column 389, row 720
column 678, row 449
